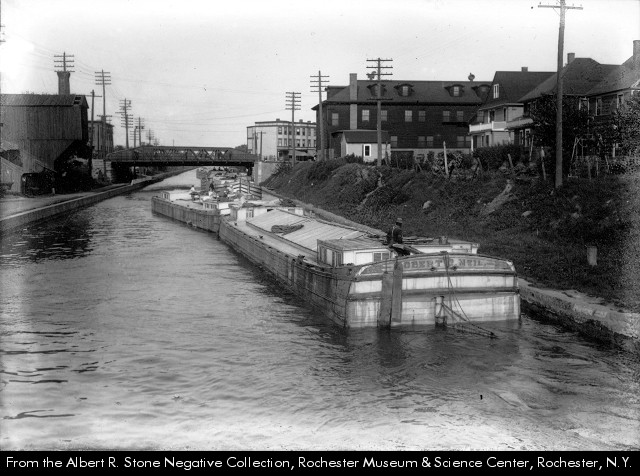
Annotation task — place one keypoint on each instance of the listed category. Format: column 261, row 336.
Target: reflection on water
column 123, row 329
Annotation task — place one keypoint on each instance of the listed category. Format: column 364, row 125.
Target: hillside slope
column 543, row 231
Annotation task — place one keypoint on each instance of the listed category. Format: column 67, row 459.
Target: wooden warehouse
column 48, row 129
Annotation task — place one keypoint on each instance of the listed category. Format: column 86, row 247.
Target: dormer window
column 404, row 90
column 373, row 89
column 455, row 90
column 496, row 91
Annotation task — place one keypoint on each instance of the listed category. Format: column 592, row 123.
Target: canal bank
column 18, row 211
column 588, row 315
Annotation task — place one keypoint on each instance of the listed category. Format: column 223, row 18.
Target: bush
column 492, row 158
column 323, row 169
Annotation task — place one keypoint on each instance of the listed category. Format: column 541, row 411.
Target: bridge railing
column 167, row 154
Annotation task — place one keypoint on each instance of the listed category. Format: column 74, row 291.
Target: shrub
column 492, row 158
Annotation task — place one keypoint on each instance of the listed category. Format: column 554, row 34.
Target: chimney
column 353, row 96
column 636, row 53
column 64, row 86
column 525, row 69
column 353, row 86
column 570, row 57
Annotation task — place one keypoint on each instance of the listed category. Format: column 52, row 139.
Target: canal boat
column 349, row 273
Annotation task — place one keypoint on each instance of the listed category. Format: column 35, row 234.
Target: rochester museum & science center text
column 300, row 462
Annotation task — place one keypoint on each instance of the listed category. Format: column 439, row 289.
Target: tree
column 575, row 124
column 626, row 122
column 242, row 148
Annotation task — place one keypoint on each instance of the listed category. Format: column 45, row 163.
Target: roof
column 358, row 243
column 578, row 78
column 423, row 92
column 34, row 100
column 360, row 136
column 623, row 77
column 514, row 85
column 311, row 231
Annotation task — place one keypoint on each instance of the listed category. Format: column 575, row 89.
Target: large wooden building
column 48, row 127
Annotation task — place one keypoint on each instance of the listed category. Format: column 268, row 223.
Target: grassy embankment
column 543, row 231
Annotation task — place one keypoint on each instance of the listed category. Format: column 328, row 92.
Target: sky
column 199, row 72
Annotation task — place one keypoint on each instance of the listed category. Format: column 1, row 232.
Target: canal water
column 121, row 329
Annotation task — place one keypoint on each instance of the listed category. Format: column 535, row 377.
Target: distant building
column 502, row 104
column 418, row 116
column 271, row 140
column 362, row 144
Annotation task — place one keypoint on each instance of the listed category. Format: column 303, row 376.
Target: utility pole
column 261, row 132
column 125, row 104
column 62, row 67
column 378, row 74
column 92, row 133
column 563, row 7
column 318, row 82
column 103, row 79
column 140, row 126
column 293, row 102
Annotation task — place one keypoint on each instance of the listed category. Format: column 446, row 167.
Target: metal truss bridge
column 149, row 155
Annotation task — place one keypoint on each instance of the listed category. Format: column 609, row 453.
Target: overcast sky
column 199, row 71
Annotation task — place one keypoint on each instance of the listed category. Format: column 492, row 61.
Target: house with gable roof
column 616, row 88
column 418, row 116
column 579, row 76
column 502, row 104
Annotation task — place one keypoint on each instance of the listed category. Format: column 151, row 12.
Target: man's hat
column 399, row 220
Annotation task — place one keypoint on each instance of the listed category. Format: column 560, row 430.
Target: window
column 279, row 130
column 334, row 119
column 408, row 116
column 429, row 141
column 504, row 114
column 460, row 140
column 297, row 131
column 422, row 116
column 583, row 105
column 496, row 91
column 455, row 91
column 304, row 132
column 381, row 256
column 279, row 142
column 394, row 141
column 365, row 115
column 405, row 90
column 383, row 115
column 598, row 106
column 446, row 116
column 249, row 213
column 422, row 141
column 460, row 116
column 620, row 101
column 298, row 143
column 366, row 150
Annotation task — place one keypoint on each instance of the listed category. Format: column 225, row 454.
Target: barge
column 350, row 274
column 359, row 281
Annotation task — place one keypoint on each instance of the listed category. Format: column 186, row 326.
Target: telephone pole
column 62, row 68
column 378, row 74
column 125, row 104
column 139, row 128
column 318, row 82
column 293, row 102
column 103, row 78
column 563, row 7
